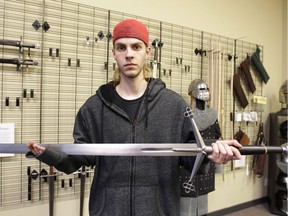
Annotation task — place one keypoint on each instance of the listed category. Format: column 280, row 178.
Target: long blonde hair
column 146, row 71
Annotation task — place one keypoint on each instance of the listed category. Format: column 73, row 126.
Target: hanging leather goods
column 259, row 66
column 239, row 91
column 242, row 137
column 259, row 160
column 245, row 67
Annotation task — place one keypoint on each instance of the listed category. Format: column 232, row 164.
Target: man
column 134, row 108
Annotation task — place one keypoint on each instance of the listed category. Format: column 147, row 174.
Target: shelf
column 276, row 119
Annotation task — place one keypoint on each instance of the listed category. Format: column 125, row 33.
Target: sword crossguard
column 188, row 112
column 189, row 186
column 199, row 141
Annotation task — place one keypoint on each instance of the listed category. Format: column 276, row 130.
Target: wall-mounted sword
column 18, row 62
column 51, row 177
column 82, row 189
column 19, row 44
column 157, row 45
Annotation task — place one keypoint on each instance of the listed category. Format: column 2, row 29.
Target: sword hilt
column 256, row 150
column 245, row 150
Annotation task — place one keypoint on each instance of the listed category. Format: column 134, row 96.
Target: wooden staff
column 222, row 113
column 211, row 74
column 220, row 84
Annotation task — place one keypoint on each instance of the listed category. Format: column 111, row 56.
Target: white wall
column 285, row 43
column 260, row 22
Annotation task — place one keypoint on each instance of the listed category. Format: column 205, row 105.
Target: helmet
column 283, row 93
column 199, row 89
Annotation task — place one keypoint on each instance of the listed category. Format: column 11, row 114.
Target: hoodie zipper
column 132, row 158
column 132, row 174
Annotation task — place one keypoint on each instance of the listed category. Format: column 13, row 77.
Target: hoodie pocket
column 148, row 201
column 115, row 201
column 145, row 202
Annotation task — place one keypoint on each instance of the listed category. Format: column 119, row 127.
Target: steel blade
column 138, row 149
column 112, row 149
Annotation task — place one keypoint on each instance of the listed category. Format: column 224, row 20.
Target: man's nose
column 129, row 53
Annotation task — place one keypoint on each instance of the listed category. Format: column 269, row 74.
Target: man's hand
column 224, row 151
column 35, row 148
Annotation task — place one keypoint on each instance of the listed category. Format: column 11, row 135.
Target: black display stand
column 276, row 139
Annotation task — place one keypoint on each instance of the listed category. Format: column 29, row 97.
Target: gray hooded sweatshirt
column 126, row 185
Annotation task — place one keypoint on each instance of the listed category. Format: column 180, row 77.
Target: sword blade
column 144, row 149
column 112, row 149
column 138, row 149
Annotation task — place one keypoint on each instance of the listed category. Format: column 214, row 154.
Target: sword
column 155, row 44
column 82, row 189
column 51, row 190
column 18, row 62
column 29, row 183
column 198, row 149
column 19, row 44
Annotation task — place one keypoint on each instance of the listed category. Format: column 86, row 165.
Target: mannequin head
column 199, row 93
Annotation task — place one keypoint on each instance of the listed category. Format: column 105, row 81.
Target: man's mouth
column 129, row 65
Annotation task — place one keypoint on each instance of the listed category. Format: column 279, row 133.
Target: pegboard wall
column 42, row 87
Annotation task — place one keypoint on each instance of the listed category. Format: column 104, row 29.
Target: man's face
column 130, row 55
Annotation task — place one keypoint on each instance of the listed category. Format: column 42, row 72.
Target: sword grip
column 253, row 150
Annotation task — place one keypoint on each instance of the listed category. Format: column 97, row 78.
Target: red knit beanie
column 131, row 28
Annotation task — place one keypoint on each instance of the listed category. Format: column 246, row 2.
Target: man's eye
column 120, row 48
column 136, row 47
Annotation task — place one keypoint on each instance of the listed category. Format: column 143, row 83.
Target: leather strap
column 245, row 67
column 239, row 91
column 259, row 66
